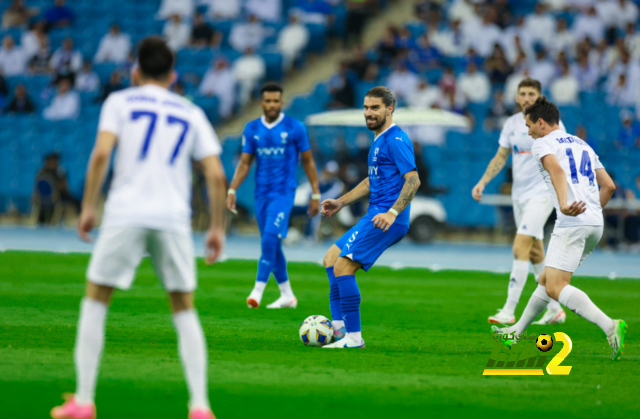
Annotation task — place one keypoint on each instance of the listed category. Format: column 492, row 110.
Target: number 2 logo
column 153, row 117
column 554, row 368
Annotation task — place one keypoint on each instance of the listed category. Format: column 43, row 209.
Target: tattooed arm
column 496, row 164
column 385, row 220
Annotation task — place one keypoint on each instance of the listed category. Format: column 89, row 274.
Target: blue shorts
column 272, row 213
column 364, row 243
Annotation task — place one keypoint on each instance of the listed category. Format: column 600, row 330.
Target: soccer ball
column 544, row 342
column 316, row 331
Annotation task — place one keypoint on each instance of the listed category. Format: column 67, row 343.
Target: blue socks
column 280, row 271
column 267, row 262
column 334, row 295
column 349, row 302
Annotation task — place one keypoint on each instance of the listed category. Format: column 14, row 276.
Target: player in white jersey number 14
column 532, row 205
column 573, row 172
column 148, row 211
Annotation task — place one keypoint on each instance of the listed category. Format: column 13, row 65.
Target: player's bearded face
column 526, row 97
column 375, row 114
column 271, row 104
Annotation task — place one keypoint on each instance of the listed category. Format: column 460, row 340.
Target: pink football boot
column 71, row 410
column 200, row 413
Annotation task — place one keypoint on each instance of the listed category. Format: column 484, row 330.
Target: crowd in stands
column 234, row 34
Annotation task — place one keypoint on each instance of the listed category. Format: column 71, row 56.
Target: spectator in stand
column 114, row 47
column 541, row 26
column 86, row 79
column 585, row 73
column 17, row 14
column 360, row 62
column 53, row 172
column 248, row 71
column 565, row 89
column 461, row 10
column 486, row 35
column 628, row 13
column 403, row 39
column 563, row 40
column 632, row 41
column 219, row 81
column 66, row 62
column 517, row 41
column 629, row 68
column 629, row 132
column 424, row 55
column 402, row 82
column 59, row 15
column 176, row 32
column 13, row 61
column 425, row 96
column 20, row 102
column 65, row 105
column 341, row 88
column 113, row 85
column 313, row 11
column 39, row 63
column 449, row 41
column 386, row 48
column 497, row 66
column 30, row 40
column 223, row 9
column 543, row 69
column 184, row 8
column 292, row 41
column 504, row 14
column 474, row 85
column 248, row 34
column 589, row 25
column 203, row 35
column 265, row 10
column 621, row 94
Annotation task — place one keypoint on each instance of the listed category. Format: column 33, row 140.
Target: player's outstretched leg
column 536, row 305
column 349, row 304
column 287, row 299
column 554, row 314
column 88, row 350
column 266, row 265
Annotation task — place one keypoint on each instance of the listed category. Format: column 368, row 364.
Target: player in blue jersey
column 274, row 140
column 391, row 185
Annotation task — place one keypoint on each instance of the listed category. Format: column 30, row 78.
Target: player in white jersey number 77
column 148, row 211
column 573, row 172
column 532, row 205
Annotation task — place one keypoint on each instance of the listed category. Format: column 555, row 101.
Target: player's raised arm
column 309, row 166
column 607, row 186
column 495, row 166
column 331, row 206
column 96, row 172
column 215, row 178
column 242, row 170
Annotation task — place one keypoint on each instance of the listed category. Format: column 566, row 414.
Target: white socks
column 88, row 350
column 285, row 289
column 519, row 275
column 337, row 324
column 259, row 287
column 193, row 353
column 536, row 305
column 578, row 302
column 537, row 271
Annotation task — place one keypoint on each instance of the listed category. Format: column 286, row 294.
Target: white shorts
column 569, row 246
column 531, row 215
column 119, row 250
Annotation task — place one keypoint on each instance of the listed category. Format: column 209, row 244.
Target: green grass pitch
column 426, row 332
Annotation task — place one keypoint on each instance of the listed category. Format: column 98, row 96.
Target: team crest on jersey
column 284, row 136
column 256, row 137
column 375, row 154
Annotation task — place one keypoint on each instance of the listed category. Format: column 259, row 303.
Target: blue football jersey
column 391, row 157
column 276, row 147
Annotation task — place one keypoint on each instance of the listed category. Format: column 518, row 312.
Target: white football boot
column 284, row 302
column 346, row 342
column 253, row 301
column 553, row 317
column 502, row 317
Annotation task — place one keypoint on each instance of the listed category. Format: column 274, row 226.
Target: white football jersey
column 527, row 182
column 158, row 134
column 579, row 162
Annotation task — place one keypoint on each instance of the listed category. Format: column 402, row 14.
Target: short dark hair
column 544, row 109
column 529, row 82
column 271, row 87
column 383, row 93
column 155, row 58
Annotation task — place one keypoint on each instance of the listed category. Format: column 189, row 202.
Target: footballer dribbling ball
column 316, row 331
column 544, row 342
